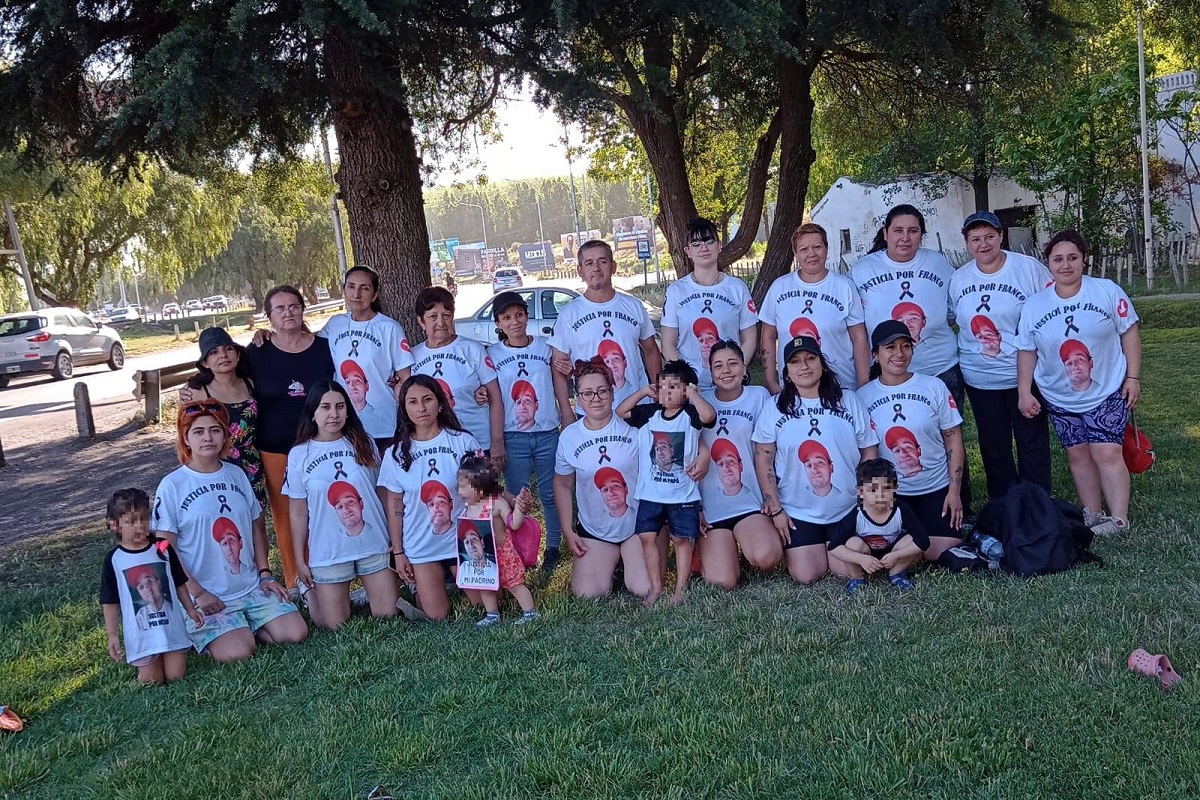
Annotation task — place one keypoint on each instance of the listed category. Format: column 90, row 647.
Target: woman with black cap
column 222, row 375
column 920, row 427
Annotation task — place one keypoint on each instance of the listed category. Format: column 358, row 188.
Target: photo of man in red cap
column 1077, row 360
column 348, row 504
column 667, row 450
column 147, row 581
column 226, row 534
column 985, row 332
column 436, row 498
column 729, row 466
column 525, row 398
column 913, row 318
column 905, row 450
column 818, row 466
column 355, row 381
column 614, row 359
column 706, row 333
column 803, row 326
column 613, row 491
column 447, row 391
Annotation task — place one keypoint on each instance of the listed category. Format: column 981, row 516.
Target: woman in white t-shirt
column 988, row 294
column 371, row 354
column 729, row 491
column 338, row 527
column 420, row 474
column 706, row 306
column 921, row 431
column 812, row 301
column 807, row 446
column 208, row 512
column 464, row 366
column 597, row 460
column 1079, row 341
column 906, row 282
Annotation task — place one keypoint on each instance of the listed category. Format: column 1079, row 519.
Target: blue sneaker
column 489, row 621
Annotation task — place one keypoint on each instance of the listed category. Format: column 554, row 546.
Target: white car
column 124, row 316
column 544, row 304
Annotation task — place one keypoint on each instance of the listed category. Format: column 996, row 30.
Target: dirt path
column 53, row 479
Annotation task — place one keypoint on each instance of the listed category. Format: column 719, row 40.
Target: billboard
column 569, row 243
column 628, row 231
column 537, row 256
column 468, row 260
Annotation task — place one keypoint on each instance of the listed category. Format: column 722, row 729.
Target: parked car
column 170, row 310
column 544, row 304
column 55, row 340
column 322, row 293
column 507, row 278
column 218, row 302
column 124, row 316
column 193, row 305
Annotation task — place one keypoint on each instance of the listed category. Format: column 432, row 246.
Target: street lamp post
column 1147, row 230
column 482, row 220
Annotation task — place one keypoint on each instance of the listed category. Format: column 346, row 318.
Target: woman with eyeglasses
column 597, row 460
column 812, row 301
column 208, row 512
column 706, row 306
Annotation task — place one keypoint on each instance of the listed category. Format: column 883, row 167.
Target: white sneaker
column 1091, row 518
column 359, row 597
column 1108, row 526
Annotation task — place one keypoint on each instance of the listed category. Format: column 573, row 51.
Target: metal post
column 1147, row 225
column 19, row 252
column 334, row 213
column 152, row 389
column 84, row 421
column 541, row 233
column 653, row 244
column 571, row 174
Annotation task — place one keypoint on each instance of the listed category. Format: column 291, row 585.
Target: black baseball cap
column 506, row 300
column 889, row 331
column 801, row 344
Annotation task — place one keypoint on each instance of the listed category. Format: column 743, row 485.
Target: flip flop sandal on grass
column 1154, row 666
column 9, row 721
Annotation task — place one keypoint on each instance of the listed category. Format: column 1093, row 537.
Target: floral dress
column 243, row 453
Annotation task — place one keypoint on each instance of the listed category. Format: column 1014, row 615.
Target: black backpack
column 1041, row 535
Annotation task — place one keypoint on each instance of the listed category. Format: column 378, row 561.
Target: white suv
column 55, row 340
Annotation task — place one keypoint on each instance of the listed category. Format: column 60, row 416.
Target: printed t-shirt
column 704, row 315
column 604, row 463
column 917, row 293
column 988, row 308
column 144, row 583
column 526, row 385
column 461, row 367
column 365, row 356
column 613, row 330
column 1078, row 342
column 212, row 515
column 281, row 384
column 665, row 448
column 345, row 518
column 730, row 488
column 816, row 452
column 881, row 535
column 430, row 489
column 910, row 419
column 824, row 310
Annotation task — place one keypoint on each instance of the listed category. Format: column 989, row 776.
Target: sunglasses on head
column 201, row 407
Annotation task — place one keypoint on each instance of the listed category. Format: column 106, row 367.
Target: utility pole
column 571, row 175
column 1147, row 224
column 19, row 252
column 650, row 216
column 541, row 233
column 334, row 213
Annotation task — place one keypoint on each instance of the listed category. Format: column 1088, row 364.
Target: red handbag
column 527, row 540
column 1138, row 452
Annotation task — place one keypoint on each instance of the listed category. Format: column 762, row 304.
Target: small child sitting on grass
column 881, row 533
column 671, row 461
column 139, row 588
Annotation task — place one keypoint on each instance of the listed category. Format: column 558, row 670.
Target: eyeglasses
column 294, row 308
column 702, row 242
column 588, row 395
column 202, row 407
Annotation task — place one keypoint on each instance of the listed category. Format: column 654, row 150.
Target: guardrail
column 148, row 385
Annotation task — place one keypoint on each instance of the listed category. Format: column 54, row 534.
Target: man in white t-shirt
column 602, row 316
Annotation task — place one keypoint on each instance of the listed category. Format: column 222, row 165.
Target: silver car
column 55, row 340
column 544, row 304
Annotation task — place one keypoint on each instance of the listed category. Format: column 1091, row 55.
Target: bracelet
column 264, row 570
column 776, row 514
column 264, row 578
column 399, row 552
column 1131, row 378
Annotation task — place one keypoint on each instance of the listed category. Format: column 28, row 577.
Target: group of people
column 382, row 460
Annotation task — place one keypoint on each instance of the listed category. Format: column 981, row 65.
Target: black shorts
column 730, row 523
column 928, row 508
column 810, row 533
column 583, row 534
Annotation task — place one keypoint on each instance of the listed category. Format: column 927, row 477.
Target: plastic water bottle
column 989, row 547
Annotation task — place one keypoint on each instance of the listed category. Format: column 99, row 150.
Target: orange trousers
column 275, row 465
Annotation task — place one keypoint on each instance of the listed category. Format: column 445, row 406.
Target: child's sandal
column 901, row 582
column 1153, row 666
column 854, row 585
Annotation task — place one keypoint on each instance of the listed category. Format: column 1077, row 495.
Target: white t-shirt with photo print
column 816, row 453
column 1078, row 342
column 665, row 448
column 605, row 465
column 373, row 351
column 432, row 503
column 340, row 529
column 463, row 366
column 614, row 330
column 212, row 515
column 830, row 307
column 529, row 369
column 988, row 308
column 732, row 435
column 151, row 614
column 916, row 292
column 704, row 315
column 909, row 419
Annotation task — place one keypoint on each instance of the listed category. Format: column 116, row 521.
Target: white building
column 1186, row 154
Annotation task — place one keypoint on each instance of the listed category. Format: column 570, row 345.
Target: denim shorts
column 1104, row 424
column 349, row 570
column 682, row 519
column 249, row 611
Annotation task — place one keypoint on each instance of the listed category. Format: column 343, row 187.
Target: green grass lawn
column 973, row 686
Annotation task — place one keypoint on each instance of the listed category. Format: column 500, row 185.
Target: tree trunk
column 981, row 170
column 379, row 175
column 796, row 157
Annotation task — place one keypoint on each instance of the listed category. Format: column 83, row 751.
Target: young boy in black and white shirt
column 881, row 534
column 671, row 461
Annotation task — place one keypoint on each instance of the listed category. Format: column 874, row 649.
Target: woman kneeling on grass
column 208, row 512
column 338, row 527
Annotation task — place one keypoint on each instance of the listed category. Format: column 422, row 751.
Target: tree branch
column 474, row 112
column 756, row 189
